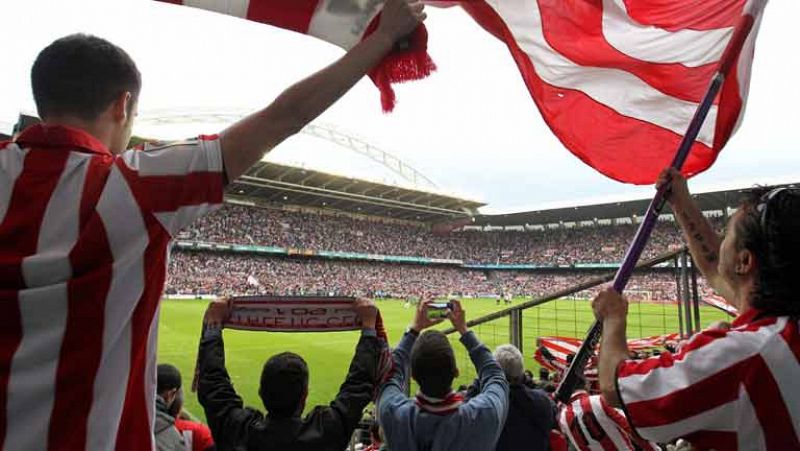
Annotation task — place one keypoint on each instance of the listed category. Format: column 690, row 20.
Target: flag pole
column 729, row 57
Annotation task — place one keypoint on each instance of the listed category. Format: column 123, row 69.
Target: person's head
column 86, row 81
column 168, row 387
column 760, row 254
column 510, row 360
column 284, row 385
column 433, row 364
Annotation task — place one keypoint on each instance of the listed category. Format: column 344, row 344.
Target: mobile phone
column 437, row 310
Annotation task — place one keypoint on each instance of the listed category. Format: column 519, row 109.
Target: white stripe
column 749, row 432
column 176, row 159
column 59, row 230
column 719, row 418
column 31, row 387
column 691, row 48
column 617, row 89
column 578, row 410
column 128, row 239
column 718, row 355
column 12, row 160
column 609, row 425
column 174, row 221
column 236, row 8
column 343, row 22
column 150, row 371
column 785, row 369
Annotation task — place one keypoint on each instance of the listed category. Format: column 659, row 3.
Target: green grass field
column 328, row 354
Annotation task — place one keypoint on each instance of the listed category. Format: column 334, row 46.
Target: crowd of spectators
column 348, row 233
column 232, row 274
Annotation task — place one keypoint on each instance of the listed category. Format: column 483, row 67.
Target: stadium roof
column 709, row 201
column 280, row 184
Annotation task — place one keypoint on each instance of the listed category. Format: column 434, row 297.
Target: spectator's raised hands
column 400, row 17
column 367, row 312
column 458, row 316
column 677, row 189
column 217, row 313
column 421, row 319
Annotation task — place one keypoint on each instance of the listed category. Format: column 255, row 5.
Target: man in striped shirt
column 731, row 388
column 84, row 230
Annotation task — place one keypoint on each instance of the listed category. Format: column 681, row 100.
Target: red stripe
column 292, row 15
column 605, row 140
column 575, row 30
column 675, row 15
column 19, row 233
column 730, row 102
column 791, row 334
column 591, row 423
column 704, row 338
column 135, row 425
column 707, row 394
column 770, row 407
column 170, row 192
column 578, row 439
column 82, row 345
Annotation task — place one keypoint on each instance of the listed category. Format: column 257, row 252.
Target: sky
column 471, row 127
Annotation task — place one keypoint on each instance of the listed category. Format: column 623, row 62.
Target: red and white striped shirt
column 83, row 250
column 590, row 424
column 725, row 389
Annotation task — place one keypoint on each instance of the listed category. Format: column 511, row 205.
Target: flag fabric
column 618, row 81
column 720, row 303
column 344, row 23
column 552, row 352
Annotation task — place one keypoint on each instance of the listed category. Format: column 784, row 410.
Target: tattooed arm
column 701, row 238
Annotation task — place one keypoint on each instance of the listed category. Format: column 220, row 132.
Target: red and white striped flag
column 341, row 22
column 618, row 81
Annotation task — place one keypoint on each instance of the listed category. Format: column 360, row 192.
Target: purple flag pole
column 732, row 51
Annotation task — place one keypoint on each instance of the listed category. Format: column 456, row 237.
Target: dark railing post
column 686, row 298
column 695, row 297
column 515, row 329
column 679, row 294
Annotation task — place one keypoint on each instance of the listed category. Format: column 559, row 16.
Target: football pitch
column 328, row 354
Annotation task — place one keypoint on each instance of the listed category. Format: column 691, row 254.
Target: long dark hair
column 770, row 229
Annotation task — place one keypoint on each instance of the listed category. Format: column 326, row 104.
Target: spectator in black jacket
column 531, row 413
column 283, row 390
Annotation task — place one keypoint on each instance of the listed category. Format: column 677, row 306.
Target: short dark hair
column 168, row 377
column 433, row 364
column 284, row 384
column 81, row 75
column 770, row 228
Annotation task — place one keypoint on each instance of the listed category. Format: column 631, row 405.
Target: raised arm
column 491, row 405
column 344, row 413
column 246, row 142
column 223, row 407
column 701, row 238
column 611, row 309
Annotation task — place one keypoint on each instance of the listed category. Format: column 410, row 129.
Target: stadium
column 491, row 283
column 292, row 231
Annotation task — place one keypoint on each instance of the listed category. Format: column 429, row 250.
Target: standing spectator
column 724, row 389
column 531, row 413
column 168, row 393
column 439, row 419
column 283, row 390
column 169, row 406
column 85, row 227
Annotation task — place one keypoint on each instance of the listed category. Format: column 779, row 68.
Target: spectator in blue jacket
column 437, row 418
